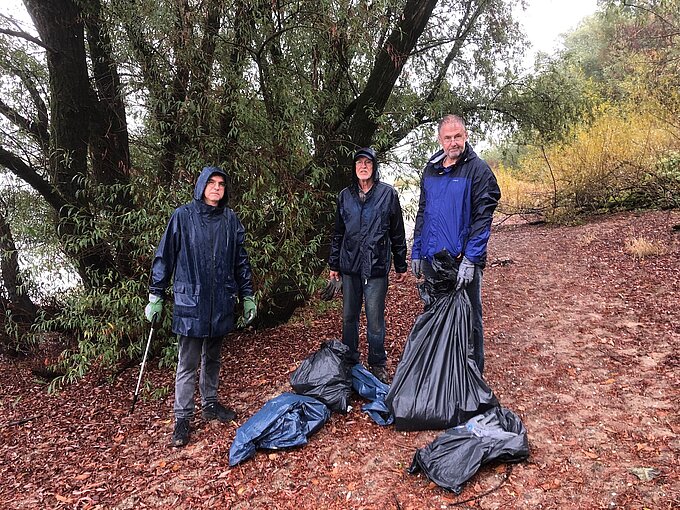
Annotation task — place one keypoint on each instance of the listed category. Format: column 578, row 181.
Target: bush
column 626, row 159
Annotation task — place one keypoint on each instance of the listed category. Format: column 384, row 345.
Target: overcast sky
column 545, row 20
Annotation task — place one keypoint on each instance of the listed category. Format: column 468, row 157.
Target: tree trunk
column 61, row 29
column 17, row 301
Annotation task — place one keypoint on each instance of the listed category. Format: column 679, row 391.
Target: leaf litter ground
column 581, row 342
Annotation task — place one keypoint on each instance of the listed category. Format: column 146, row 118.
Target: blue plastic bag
column 371, row 388
column 283, row 422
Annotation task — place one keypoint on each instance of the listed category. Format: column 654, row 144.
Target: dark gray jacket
column 367, row 234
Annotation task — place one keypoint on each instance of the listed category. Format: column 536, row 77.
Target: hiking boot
column 216, row 411
column 380, row 372
column 180, row 436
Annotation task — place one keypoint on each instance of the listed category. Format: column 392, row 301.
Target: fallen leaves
column 84, row 450
column 645, row 473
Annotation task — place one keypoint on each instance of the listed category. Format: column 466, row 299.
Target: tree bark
column 60, row 26
column 388, row 67
column 17, row 301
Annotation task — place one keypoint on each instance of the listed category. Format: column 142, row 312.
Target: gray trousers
column 207, row 351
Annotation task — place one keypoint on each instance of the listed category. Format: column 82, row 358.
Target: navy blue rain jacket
column 367, row 234
column 203, row 247
column 456, row 208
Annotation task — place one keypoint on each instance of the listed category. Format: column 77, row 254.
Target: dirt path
column 581, row 343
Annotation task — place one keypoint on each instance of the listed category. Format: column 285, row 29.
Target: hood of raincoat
column 202, row 182
column 370, row 154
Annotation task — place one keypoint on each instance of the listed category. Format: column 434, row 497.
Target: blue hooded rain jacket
column 203, row 246
column 456, row 208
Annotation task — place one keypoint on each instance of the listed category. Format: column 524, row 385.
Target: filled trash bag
column 326, row 375
column 437, row 384
column 456, row 455
column 371, row 388
column 284, row 421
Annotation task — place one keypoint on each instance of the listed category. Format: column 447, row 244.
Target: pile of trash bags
column 322, row 383
column 437, row 385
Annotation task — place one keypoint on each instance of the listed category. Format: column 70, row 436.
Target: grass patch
column 639, row 247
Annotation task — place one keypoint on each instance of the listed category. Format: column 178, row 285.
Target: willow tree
column 280, row 93
column 114, row 106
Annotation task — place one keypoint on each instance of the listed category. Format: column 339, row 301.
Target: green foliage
column 269, row 92
column 622, row 153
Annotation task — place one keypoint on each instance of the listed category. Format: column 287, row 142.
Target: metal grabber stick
column 141, row 370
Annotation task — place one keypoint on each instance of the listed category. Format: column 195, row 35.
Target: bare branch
column 29, row 174
column 25, row 35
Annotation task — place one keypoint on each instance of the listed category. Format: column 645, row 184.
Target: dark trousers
column 371, row 292
column 192, row 352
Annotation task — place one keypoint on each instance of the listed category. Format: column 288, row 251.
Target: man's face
column 452, row 138
column 214, row 190
column 364, row 168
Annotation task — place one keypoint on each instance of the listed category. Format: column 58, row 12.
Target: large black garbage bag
column 371, row 388
column 326, row 375
column 283, row 422
column 437, row 383
column 456, row 455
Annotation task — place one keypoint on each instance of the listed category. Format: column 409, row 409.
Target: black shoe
column 180, row 436
column 381, row 373
column 216, row 411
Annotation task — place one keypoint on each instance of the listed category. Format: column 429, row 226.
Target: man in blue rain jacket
column 203, row 247
column 458, row 195
column 369, row 230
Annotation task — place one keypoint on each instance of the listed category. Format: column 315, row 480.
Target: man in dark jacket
column 369, row 230
column 203, row 247
column 458, row 195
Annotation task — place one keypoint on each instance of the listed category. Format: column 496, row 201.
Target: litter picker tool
column 141, row 370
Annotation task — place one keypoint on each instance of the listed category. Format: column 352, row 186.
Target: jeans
column 371, row 292
column 474, row 292
column 207, row 351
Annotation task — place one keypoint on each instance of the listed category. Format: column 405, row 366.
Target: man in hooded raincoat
column 203, row 247
column 369, row 230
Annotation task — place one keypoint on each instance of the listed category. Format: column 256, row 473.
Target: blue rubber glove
column 153, row 310
column 249, row 309
column 416, row 267
column 466, row 272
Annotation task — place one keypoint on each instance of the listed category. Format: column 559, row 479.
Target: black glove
column 331, row 290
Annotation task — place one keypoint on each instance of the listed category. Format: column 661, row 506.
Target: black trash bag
column 333, row 288
column 326, row 375
column 437, row 384
column 456, row 455
column 283, row 422
column 371, row 388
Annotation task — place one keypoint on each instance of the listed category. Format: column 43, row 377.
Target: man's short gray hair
column 451, row 119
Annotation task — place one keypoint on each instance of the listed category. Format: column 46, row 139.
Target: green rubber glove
column 153, row 310
column 249, row 309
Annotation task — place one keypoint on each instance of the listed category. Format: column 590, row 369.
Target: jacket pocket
column 186, row 299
